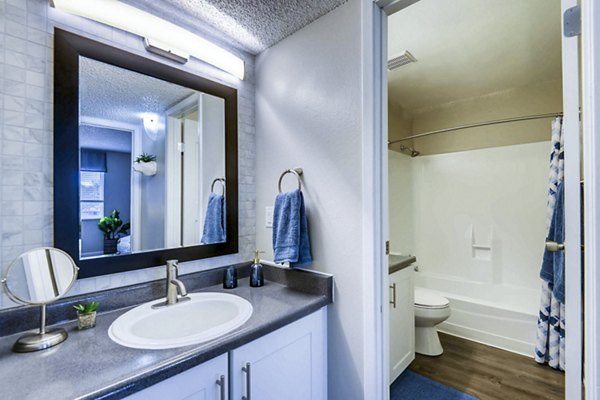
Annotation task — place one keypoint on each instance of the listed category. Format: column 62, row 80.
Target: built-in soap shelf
column 481, row 251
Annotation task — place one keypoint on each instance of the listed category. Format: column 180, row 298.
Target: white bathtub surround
column 490, row 197
column 477, row 221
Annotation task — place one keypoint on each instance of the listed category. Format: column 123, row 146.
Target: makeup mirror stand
column 36, row 278
column 41, row 340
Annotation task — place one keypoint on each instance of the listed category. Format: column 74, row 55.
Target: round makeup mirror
column 38, row 277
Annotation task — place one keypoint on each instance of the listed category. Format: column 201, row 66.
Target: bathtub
column 496, row 315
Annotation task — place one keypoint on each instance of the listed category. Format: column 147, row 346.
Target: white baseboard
column 501, row 342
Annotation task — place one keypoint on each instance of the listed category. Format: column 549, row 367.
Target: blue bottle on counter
column 256, row 273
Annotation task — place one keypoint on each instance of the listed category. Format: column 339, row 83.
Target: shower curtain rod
column 477, row 124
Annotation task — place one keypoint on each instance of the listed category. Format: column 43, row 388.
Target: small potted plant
column 113, row 228
column 86, row 314
column 146, row 164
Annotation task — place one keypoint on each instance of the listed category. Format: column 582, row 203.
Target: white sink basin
column 204, row 317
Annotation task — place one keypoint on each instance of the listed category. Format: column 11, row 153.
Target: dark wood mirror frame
column 67, row 49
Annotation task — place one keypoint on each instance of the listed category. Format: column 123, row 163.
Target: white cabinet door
column 207, row 381
column 402, row 321
column 290, row 363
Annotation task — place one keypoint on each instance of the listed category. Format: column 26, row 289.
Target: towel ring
column 222, row 181
column 296, row 171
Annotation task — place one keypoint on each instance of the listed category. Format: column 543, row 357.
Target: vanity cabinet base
column 289, row 363
column 207, row 381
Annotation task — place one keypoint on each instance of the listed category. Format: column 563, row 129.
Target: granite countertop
column 89, row 365
column 399, row 262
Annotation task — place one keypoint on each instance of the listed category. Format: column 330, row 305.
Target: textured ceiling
column 251, row 25
column 468, row 48
column 117, row 94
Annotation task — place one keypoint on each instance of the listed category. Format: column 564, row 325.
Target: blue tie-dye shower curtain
column 550, row 343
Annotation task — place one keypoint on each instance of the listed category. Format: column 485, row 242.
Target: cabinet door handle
column 221, row 384
column 246, row 369
column 393, row 301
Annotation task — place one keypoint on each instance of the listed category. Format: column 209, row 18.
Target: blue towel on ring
column 553, row 265
column 214, row 221
column 290, row 230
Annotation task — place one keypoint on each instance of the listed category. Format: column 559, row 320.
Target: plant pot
column 110, row 246
column 86, row 321
column 147, row 168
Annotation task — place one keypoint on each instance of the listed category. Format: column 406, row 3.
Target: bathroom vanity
column 282, row 345
column 290, row 357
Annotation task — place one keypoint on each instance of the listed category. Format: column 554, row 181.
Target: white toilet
column 431, row 309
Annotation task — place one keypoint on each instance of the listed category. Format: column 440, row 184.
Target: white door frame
column 375, row 156
column 374, row 211
column 571, row 131
column 375, row 196
column 173, row 168
column 590, row 40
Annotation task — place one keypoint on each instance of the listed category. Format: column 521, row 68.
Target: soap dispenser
column 256, row 272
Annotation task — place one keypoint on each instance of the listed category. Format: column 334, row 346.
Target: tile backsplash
column 26, row 133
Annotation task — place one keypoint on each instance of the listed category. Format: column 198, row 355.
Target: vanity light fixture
column 161, row 37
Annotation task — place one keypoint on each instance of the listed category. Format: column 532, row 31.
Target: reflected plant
column 113, row 227
column 145, row 157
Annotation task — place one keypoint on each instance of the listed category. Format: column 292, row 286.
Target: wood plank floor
column 490, row 373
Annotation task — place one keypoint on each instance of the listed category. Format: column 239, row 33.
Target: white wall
column 500, row 193
column 26, row 71
column 401, row 207
column 309, row 115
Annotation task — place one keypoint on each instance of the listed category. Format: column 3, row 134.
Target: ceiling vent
column 402, row 59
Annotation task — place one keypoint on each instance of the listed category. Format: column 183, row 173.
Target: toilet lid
column 426, row 298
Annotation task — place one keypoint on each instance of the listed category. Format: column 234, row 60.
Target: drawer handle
column 246, row 369
column 393, row 301
column 221, row 383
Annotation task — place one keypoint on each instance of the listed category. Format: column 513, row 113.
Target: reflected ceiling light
column 161, row 34
column 150, row 125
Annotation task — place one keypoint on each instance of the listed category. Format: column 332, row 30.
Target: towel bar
column 296, row 171
column 221, row 180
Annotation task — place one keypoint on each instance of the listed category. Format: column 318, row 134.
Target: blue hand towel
column 553, row 265
column 214, row 227
column 290, row 230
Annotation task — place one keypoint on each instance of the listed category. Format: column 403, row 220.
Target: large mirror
column 154, row 153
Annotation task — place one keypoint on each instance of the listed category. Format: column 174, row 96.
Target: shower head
column 405, row 149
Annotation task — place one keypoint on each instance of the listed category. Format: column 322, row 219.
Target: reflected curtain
column 93, row 160
column 550, row 343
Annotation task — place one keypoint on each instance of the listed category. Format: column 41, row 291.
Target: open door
column 572, row 187
column 573, row 183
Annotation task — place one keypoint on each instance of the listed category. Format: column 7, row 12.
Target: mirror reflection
column 152, row 163
column 40, row 276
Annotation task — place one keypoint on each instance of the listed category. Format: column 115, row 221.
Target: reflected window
column 91, row 194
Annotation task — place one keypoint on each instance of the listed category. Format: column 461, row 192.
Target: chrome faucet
column 175, row 287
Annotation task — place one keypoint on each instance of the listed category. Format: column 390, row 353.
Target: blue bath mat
column 412, row 386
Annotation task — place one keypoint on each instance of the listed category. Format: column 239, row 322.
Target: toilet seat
column 430, row 300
